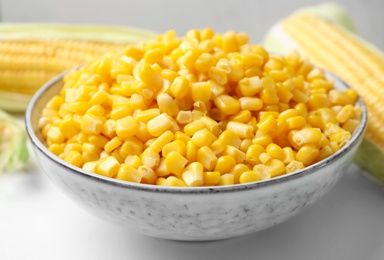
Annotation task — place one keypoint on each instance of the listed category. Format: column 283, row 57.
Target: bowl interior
column 53, row 87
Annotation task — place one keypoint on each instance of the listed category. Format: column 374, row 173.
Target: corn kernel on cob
column 31, row 54
column 321, row 36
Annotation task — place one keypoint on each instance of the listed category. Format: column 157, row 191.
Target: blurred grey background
column 251, row 16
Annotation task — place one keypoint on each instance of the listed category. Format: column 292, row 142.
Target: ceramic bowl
column 194, row 214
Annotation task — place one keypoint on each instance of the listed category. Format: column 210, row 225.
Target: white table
column 38, row 222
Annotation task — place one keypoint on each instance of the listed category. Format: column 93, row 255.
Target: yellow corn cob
column 330, row 44
column 31, row 54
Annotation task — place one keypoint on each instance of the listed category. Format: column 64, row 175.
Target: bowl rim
column 355, row 140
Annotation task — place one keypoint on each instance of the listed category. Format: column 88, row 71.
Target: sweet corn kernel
column 307, row 154
column 126, row 127
column 294, row 166
column 175, row 162
column 174, row 181
column 174, row 146
column 275, row 167
column 227, row 104
column 211, row 178
column 275, row 151
column 250, row 176
column 150, row 158
column 158, row 125
column 225, row 164
column 203, row 137
column 206, row 157
column 193, row 174
column 148, row 175
column 109, row 166
column 129, row 173
column 133, row 160
column 226, row 179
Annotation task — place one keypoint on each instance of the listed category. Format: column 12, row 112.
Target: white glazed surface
column 188, row 213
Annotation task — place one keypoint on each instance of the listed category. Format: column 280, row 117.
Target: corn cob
column 333, row 46
column 31, row 54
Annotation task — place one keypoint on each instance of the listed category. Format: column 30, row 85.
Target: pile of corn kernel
column 206, row 109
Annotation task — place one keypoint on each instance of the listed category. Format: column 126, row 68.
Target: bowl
column 194, row 213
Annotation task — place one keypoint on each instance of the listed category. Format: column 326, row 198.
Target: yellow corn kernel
column 338, row 97
column 174, row 146
column 74, row 157
column 90, row 157
column 253, row 153
column 250, row 86
column 179, row 87
column 150, row 158
column 161, row 141
column 296, row 122
column 182, row 137
column 148, row 175
column 299, row 96
column 237, row 170
column 56, row 149
column 340, row 138
column 193, row 174
column 211, row 125
column 191, row 151
column 227, row 104
column 133, row 160
column 238, row 155
column 184, row 117
column 307, row 154
column 54, row 135
column 267, row 124
column 344, row 114
column 324, row 153
column 158, row 125
column 160, row 181
column 263, row 171
column 131, row 146
column 294, row 166
column 275, row 151
column 250, row 176
column 153, row 55
column 230, row 138
column 351, row 125
column 263, row 140
column 120, row 112
column 307, row 136
column 90, row 148
column 175, row 162
column 240, row 129
column 217, row 146
column 243, row 116
column 332, row 128
column 211, row 178
column 204, row 62
column 201, row 91
column 265, row 157
column 112, row 144
column 91, row 166
column 302, row 109
column 203, row 137
column 245, row 144
column 72, row 146
column 109, row 166
column 162, row 170
column 318, row 100
column 149, row 76
column 226, row 179
column 191, row 128
column 275, row 167
column 251, row 103
column 126, row 127
column 138, row 102
column 167, row 104
column 327, row 115
column 268, row 93
column 91, row 124
column 225, row 164
column 68, row 127
column 206, row 157
column 315, row 121
column 98, row 140
column 174, row 181
column 288, row 155
column 109, row 128
column 129, row 173
column 283, row 92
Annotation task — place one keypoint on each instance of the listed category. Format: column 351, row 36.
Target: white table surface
column 37, row 221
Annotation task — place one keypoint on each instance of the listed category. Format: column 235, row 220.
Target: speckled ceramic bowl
column 203, row 213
